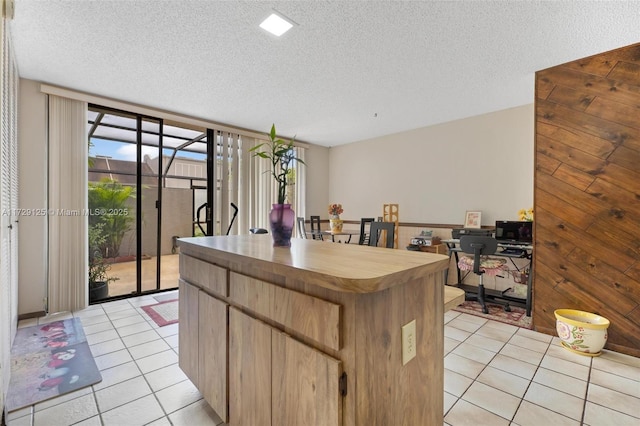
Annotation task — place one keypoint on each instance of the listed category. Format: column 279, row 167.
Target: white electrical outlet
column 408, row 342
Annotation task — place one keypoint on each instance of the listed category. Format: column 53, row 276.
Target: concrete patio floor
column 126, row 272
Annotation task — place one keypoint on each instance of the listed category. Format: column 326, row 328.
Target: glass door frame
column 139, row 185
column 139, row 205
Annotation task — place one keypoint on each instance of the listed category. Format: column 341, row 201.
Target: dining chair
column 315, row 228
column 365, row 230
column 302, row 232
column 376, row 228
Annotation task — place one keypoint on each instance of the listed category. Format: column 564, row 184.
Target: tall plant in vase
column 281, row 155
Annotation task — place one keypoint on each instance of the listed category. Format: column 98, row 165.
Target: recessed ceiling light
column 276, row 25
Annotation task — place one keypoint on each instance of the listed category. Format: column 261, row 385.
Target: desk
column 527, row 251
column 436, row 248
column 343, row 232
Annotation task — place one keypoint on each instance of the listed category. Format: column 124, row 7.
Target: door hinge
column 157, row 204
column 342, row 384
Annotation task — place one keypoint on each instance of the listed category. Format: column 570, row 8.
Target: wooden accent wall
column 587, row 193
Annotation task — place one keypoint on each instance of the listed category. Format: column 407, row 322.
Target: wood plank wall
column 587, row 193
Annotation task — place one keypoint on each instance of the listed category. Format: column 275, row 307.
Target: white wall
column 437, row 173
column 32, row 171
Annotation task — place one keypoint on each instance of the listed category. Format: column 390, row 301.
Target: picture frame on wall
column 473, row 219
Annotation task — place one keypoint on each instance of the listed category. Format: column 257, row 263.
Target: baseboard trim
column 31, row 315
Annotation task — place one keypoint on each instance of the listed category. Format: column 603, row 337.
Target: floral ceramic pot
column 336, row 225
column 581, row 332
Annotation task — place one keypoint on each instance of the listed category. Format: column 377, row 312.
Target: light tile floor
column 499, row 374
column 495, row 374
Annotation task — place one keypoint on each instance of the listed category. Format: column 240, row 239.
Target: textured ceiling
column 412, row 64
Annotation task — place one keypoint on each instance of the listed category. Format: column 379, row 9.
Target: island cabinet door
column 188, row 331
column 305, row 384
column 213, row 353
column 276, row 380
column 249, row 370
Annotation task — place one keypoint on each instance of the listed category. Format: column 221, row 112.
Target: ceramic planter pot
column 581, row 332
column 98, row 291
column 281, row 221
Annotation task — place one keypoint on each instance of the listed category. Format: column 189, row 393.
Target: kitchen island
column 312, row 334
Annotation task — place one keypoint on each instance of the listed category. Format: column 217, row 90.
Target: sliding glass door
column 147, row 179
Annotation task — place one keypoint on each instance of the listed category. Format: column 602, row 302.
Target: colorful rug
column 49, row 360
column 516, row 317
column 163, row 313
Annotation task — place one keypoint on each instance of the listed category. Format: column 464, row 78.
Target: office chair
column 302, row 232
column 364, row 235
column 315, row 228
column 376, row 228
column 481, row 247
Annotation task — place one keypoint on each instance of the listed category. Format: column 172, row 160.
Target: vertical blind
column 300, row 186
column 68, row 224
column 246, row 181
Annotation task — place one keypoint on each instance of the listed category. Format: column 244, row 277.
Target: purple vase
column 281, row 219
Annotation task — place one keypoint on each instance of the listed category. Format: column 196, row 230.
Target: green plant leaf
column 281, row 155
column 257, row 147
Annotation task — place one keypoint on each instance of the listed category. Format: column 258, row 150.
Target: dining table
column 345, row 232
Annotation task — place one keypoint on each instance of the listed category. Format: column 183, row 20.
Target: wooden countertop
column 341, row 267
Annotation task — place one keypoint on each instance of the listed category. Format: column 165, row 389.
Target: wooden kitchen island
column 311, row 335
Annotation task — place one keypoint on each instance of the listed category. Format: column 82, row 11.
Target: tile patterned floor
column 498, row 374
column 495, row 374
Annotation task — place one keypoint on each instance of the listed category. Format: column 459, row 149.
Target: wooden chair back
column 365, row 230
column 377, row 228
column 315, row 228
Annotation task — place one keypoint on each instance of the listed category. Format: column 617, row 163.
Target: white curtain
column 68, row 223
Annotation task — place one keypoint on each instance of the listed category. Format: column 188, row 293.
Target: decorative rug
column 49, row 360
column 516, row 317
column 163, row 313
